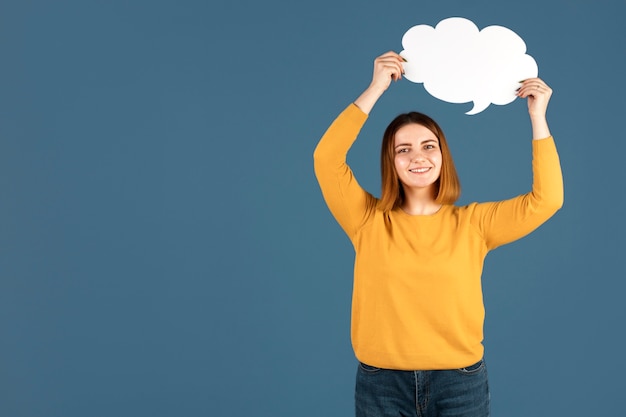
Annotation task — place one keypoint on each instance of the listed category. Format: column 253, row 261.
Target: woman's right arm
column 344, row 196
column 347, row 201
column 387, row 68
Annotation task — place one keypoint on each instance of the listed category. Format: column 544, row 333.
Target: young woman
column 417, row 309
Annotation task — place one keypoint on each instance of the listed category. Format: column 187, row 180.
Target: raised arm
column 348, row 202
column 505, row 221
column 387, row 68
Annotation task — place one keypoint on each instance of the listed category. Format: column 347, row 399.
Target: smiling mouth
column 419, row 170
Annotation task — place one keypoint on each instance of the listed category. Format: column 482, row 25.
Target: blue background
column 165, row 249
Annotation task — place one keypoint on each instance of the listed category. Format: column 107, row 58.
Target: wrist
column 368, row 98
column 540, row 128
column 376, row 90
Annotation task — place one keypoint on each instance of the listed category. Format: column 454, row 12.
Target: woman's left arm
column 505, row 221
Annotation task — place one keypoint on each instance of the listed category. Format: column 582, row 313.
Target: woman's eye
column 403, row 150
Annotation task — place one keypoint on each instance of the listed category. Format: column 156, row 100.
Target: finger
column 536, row 83
column 392, row 54
column 392, row 61
column 392, row 67
column 394, row 72
column 531, row 91
column 533, row 87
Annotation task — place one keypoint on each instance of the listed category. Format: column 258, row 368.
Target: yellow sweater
column 417, row 299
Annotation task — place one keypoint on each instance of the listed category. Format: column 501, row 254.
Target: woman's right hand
column 387, row 68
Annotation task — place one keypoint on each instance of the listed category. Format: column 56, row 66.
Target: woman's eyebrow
column 422, row 142
column 402, row 144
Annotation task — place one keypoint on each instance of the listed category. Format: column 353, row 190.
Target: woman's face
column 417, row 156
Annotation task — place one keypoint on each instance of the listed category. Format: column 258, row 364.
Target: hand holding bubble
column 459, row 63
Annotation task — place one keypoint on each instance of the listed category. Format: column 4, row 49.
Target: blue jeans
column 448, row 393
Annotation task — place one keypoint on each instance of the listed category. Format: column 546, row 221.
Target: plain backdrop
column 164, row 246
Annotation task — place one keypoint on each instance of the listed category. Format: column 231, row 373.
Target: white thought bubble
column 458, row 63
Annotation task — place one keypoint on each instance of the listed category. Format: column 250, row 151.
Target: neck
column 421, row 209
column 420, row 202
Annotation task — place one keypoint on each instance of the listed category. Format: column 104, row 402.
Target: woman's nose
column 418, row 156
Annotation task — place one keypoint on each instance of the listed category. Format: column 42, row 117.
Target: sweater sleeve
column 345, row 198
column 506, row 221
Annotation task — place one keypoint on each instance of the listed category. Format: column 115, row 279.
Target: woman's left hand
column 538, row 94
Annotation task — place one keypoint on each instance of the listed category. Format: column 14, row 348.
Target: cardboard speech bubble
column 459, row 63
